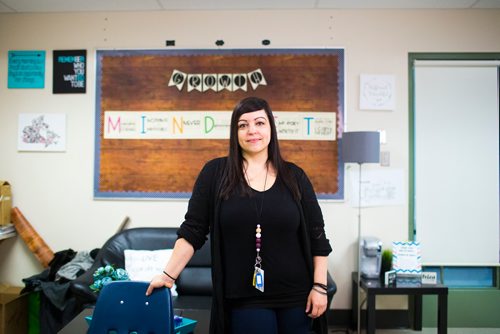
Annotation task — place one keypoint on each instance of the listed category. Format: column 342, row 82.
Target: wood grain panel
column 138, row 81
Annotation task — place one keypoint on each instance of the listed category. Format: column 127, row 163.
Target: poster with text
column 26, row 69
column 69, row 71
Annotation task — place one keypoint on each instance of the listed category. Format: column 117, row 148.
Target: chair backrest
column 123, row 308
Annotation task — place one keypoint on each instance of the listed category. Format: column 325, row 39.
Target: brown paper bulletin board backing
column 302, row 80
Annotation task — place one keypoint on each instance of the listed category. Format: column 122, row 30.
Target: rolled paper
column 32, row 239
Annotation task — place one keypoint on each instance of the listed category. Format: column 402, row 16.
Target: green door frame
column 471, row 307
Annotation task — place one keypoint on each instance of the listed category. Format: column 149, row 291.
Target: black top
column 286, row 282
column 203, row 216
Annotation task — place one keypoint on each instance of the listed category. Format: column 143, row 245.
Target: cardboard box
column 13, row 310
column 5, row 202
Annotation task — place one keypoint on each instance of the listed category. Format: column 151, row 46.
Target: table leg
column 442, row 313
column 354, row 303
column 370, row 314
column 417, row 312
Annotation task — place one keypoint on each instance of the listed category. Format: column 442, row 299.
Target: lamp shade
column 361, row 147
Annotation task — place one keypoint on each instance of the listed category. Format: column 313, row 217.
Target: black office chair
column 331, row 289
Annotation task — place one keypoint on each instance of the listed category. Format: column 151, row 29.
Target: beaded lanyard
column 258, row 274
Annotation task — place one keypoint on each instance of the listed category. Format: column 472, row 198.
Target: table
column 79, row 325
column 374, row 287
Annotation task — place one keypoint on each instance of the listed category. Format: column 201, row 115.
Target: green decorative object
column 106, row 274
column 386, row 262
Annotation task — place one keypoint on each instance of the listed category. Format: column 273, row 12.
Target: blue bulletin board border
column 339, row 195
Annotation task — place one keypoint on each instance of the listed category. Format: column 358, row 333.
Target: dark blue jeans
column 270, row 321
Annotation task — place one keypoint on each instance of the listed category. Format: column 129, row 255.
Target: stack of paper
column 7, row 231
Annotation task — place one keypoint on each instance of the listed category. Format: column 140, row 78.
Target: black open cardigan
column 202, row 217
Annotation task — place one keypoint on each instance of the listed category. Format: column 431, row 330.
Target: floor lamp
column 360, row 147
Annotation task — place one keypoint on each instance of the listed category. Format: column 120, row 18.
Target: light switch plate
column 385, row 158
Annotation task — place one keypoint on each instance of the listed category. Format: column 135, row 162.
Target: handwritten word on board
column 211, row 125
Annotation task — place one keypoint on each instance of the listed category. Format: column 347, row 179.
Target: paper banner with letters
column 211, row 125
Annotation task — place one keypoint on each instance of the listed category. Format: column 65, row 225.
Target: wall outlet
column 385, row 158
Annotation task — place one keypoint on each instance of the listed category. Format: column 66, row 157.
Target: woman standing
column 269, row 249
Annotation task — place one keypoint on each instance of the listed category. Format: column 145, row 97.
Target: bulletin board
column 162, row 114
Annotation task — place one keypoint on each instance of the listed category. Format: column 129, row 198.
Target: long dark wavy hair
column 234, row 178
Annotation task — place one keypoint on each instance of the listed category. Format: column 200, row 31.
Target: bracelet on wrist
column 321, row 285
column 319, row 291
column 172, row 278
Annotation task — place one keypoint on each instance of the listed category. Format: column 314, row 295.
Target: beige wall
column 55, row 190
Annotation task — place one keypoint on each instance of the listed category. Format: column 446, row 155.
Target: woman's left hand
column 316, row 304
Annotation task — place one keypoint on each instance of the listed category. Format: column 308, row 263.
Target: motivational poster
column 69, row 71
column 26, row 69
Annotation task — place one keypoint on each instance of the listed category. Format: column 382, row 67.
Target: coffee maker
column 370, row 249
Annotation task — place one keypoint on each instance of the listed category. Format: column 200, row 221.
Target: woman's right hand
column 159, row 281
column 183, row 252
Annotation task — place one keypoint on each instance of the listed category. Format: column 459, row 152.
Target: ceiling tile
column 395, row 4
column 487, row 4
column 4, row 8
column 8, row 6
column 79, row 5
column 237, row 4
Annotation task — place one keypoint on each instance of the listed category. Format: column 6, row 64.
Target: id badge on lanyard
column 258, row 279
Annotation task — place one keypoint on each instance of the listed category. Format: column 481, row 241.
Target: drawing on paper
column 41, row 132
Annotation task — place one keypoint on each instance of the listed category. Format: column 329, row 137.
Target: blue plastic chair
column 123, row 308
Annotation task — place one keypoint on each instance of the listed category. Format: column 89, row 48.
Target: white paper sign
column 429, row 277
column 380, row 187
column 377, row 92
column 407, row 258
column 143, row 265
